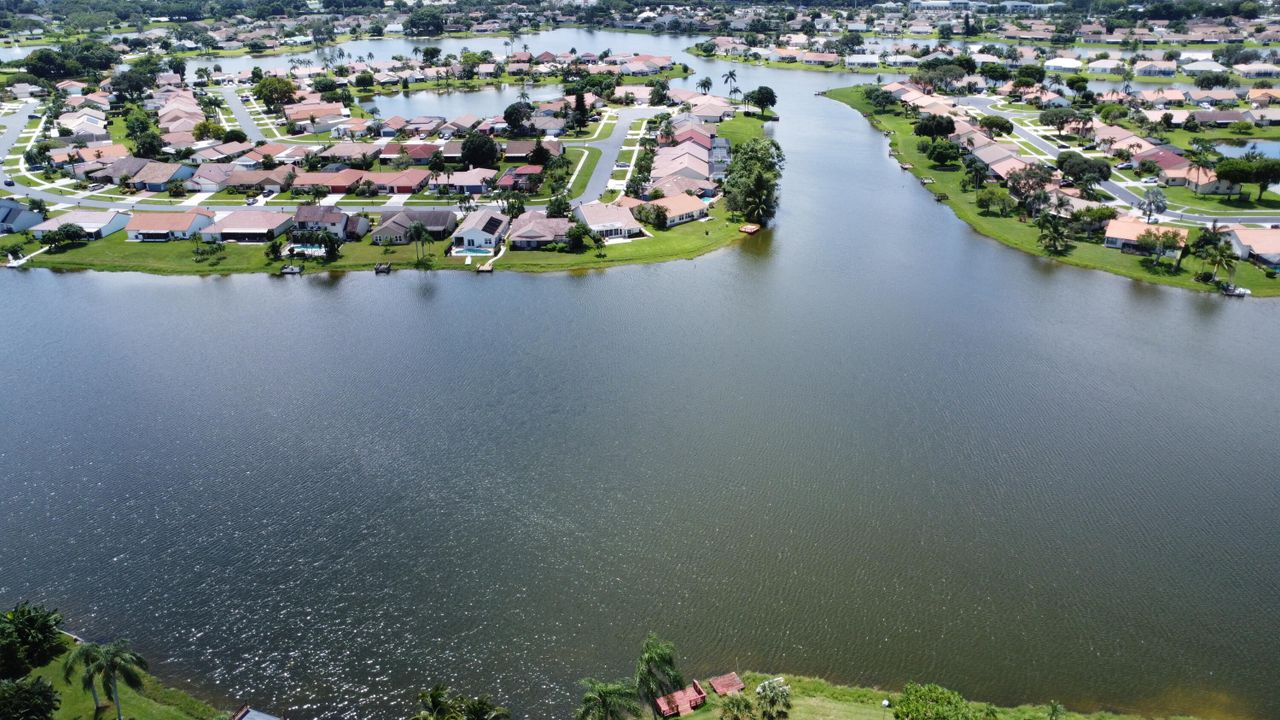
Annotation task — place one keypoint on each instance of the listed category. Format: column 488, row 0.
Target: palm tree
column 86, row 655
column 737, row 707
column 1153, row 203
column 731, row 79
column 656, row 673
column 773, row 699
column 1056, row 711
column 437, row 702
column 482, row 708
column 114, row 663
column 608, row 701
column 704, row 85
column 1218, row 256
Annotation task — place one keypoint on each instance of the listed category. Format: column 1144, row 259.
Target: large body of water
column 875, row 447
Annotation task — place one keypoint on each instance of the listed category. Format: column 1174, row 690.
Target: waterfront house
column 16, row 217
column 96, row 224
column 394, row 226
column 331, row 220
column 608, row 220
column 681, row 208
column 533, row 229
column 1155, row 68
column 1123, row 232
column 249, row 226
column 1262, row 245
column 483, row 228
column 164, row 226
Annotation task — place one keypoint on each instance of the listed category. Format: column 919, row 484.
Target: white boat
column 1236, row 291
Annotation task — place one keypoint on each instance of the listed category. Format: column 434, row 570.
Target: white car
column 1150, row 181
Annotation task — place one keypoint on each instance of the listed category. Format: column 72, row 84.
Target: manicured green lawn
column 1022, row 235
column 154, row 702
column 1220, row 204
column 741, row 127
column 683, row 241
column 817, row 699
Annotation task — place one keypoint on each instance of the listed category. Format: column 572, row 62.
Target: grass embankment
column 817, row 699
column 115, row 254
column 1023, row 235
column 678, row 243
column 153, row 702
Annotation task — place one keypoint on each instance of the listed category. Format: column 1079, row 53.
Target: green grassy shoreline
column 818, row 699
column 1023, row 235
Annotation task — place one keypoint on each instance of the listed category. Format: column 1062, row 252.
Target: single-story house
column 1259, row 244
column 16, row 217
column 163, row 226
column 483, row 228
column 156, row 175
column 1123, row 232
column 533, row 229
column 1200, row 180
column 471, row 182
column 681, row 208
column 394, row 227
column 96, row 223
column 249, row 226
column 608, row 221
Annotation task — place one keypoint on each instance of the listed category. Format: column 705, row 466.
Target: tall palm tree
column 608, row 701
column 86, row 656
column 656, row 673
column 117, row 662
column 704, row 85
column 730, row 78
column 1219, row 256
column 1153, row 202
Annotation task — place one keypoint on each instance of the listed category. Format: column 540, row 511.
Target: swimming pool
column 471, row 251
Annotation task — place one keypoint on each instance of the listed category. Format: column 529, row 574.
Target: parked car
column 268, row 193
column 1124, row 166
column 1063, row 146
column 8, row 182
column 96, row 187
column 251, row 201
column 1153, row 180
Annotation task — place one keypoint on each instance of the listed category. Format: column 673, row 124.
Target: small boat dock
column 382, row 269
column 291, row 270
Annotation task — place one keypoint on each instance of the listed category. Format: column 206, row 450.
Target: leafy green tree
column 931, row 702
column 607, row 700
column 943, row 153
column 1058, row 118
column 762, row 97
column 996, row 125
column 28, row 699
column 274, row 92
column 935, row 126
column 423, row 21
column 479, row 151
column 576, row 238
column 29, row 634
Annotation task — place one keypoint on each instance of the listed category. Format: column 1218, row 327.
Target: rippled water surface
column 874, row 447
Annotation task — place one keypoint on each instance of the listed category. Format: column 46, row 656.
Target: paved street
column 13, row 125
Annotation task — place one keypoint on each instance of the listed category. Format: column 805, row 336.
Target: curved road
column 13, row 125
column 1115, row 189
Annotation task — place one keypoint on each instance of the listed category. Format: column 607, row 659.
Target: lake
column 873, row 446
column 1235, row 149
